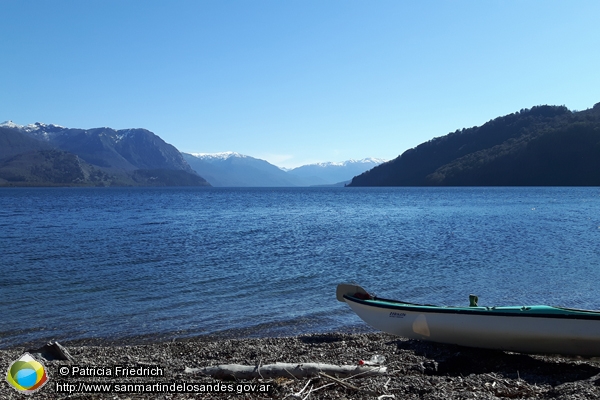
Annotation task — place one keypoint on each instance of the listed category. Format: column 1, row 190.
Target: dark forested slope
column 544, row 145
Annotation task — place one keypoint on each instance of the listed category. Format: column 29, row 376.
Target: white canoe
column 524, row 329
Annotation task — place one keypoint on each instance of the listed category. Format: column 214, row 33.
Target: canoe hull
column 524, row 334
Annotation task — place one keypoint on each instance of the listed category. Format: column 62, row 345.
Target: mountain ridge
column 108, row 157
column 329, row 173
column 117, row 156
column 541, row 146
column 235, row 169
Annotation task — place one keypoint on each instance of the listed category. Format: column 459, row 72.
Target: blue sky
column 294, row 82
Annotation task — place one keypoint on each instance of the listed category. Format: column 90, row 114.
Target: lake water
column 118, row 263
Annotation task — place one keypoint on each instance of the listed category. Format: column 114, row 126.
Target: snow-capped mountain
column 216, row 157
column 126, row 149
column 235, row 169
column 370, row 160
column 238, row 170
column 328, row 173
column 122, row 157
column 38, row 130
column 14, row 141
column 38, row 126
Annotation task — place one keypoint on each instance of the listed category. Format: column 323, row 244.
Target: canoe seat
column 473, row 300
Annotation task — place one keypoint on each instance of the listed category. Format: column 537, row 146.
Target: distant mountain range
column 339, row 173
column 541, row 146
column 50, row 155
column 234, row 169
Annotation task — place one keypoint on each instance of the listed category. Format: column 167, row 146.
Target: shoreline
column 251, row 332
column 415, row 369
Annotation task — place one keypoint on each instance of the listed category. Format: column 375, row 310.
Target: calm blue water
column 121, row 262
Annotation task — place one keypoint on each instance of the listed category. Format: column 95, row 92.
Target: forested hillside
column 541, row 146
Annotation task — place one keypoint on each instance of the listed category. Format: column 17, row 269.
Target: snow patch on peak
column 369, row 160
column 38, row 130
column 218, row 156
column 40, row 126
column 122, row 133
column 374, row 161
column 10, row 124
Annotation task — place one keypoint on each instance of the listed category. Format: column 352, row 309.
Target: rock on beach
column 415, row 370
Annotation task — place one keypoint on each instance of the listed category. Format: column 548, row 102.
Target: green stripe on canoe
column 531, row 310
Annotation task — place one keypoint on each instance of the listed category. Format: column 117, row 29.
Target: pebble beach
column 414, row 370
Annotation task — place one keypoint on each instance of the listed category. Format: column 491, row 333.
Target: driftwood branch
column 305, row 370
column 345, row 384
